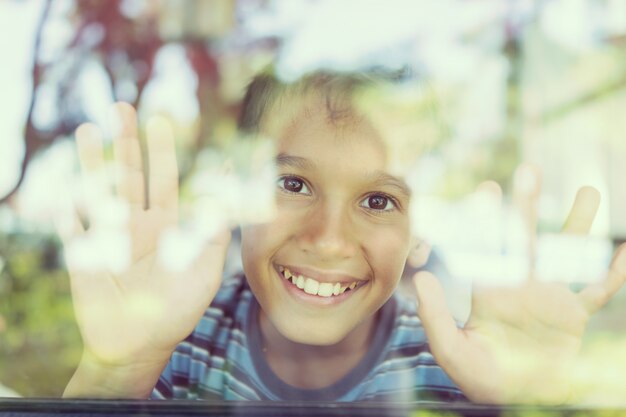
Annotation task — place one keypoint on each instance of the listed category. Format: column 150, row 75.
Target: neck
column 310, row 366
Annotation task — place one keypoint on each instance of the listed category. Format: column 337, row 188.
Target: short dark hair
column 336, row 89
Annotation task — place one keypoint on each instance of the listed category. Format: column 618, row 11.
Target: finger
column 526, row 191
column 488, row 211
column 90, row 151
column 69, row 230
column 595, row 296
column 163, row 178
column 439, row 325
column 68, row 225
column 211, row 262
column 91, row 157
column 583, row 211
column 130, row 182
column 490, row 188
column 418, row 257
column 527, row 181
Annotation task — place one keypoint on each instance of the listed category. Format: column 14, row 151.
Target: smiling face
column 337, row 246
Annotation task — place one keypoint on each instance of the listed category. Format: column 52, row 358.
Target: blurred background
column 519, row 81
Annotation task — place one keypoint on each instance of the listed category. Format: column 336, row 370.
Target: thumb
column 439, row 325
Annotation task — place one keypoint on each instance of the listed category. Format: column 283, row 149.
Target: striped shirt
column 222, row 359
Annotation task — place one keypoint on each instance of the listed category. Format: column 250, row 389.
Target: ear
column 419, row 253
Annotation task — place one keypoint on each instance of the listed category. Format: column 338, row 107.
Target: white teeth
column 300, row 282
column 311, row 286
column 325, row 289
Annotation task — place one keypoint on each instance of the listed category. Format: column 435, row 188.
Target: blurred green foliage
column 39, row 340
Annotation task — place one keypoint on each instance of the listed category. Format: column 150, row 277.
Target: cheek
column 260, row 241
column 388, row 251
column 252, row 246
column 255, row 256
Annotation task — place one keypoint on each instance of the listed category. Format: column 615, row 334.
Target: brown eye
column 293, row 185
column 378, row 202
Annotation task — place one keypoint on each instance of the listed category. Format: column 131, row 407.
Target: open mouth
column 314, row 287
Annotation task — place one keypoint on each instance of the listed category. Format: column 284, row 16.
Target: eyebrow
column 384, row 179
column 293, row 161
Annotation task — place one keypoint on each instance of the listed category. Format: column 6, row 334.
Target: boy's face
column 342, row 219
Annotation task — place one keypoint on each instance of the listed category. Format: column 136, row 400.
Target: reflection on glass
column 451, row 145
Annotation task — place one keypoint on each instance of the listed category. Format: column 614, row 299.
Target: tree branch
column 31, row 142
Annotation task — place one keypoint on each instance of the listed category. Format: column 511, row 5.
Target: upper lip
column 321, row 275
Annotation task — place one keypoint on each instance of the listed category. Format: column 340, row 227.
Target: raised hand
column 520, row 342
column 132, row 314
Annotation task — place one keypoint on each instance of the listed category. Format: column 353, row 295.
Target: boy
column 316, row 317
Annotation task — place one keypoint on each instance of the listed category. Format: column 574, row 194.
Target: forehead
column 316, row 134
column 355, row 128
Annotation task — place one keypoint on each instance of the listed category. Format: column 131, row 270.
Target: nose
column 328, row 232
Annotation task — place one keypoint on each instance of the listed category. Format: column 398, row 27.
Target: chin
column 308, row 336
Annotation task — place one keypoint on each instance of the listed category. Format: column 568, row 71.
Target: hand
column 136, row 314
column 519, row 343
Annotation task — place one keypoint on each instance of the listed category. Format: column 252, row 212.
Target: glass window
column 312, row 202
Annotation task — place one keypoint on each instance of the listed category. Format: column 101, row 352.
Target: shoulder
column 197, row 366
column 233, row 296
column 227, row 312
column 407, row 335
column 407, row 371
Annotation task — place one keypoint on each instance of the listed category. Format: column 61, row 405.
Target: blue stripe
column 215, row 361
